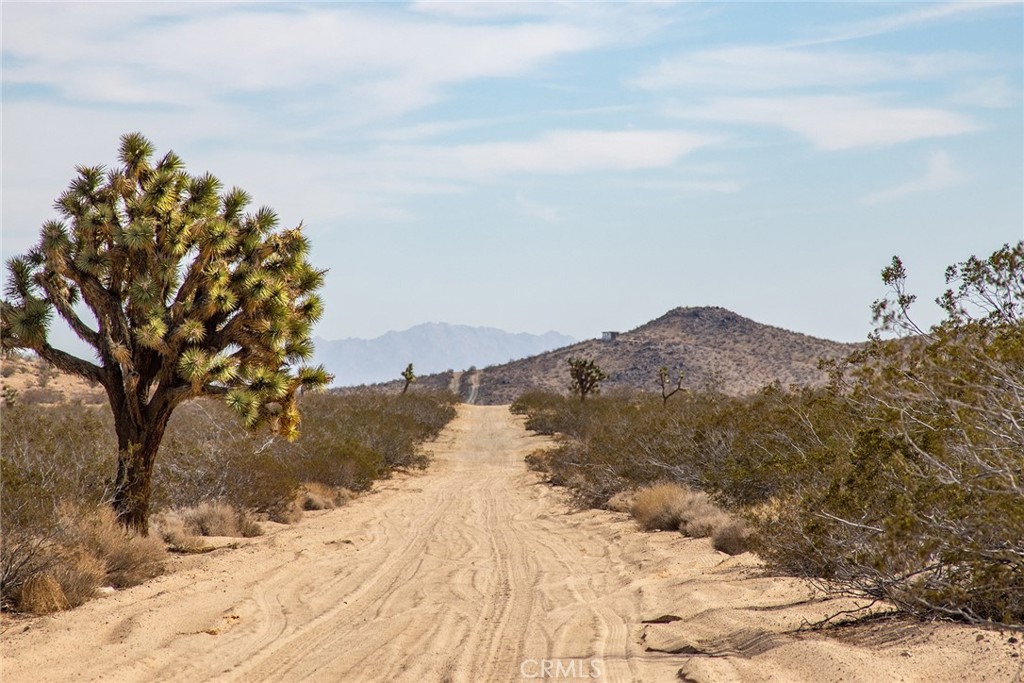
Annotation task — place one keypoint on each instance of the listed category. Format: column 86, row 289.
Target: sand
column 475, row 572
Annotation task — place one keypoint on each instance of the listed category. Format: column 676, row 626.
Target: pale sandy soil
column 474, row 572
column 26, row 376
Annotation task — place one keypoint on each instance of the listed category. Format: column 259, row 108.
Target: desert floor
column 474, row 571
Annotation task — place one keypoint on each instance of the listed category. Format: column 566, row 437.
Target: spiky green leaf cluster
column 190, row 292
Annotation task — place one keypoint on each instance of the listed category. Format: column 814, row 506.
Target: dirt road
column 474, row 572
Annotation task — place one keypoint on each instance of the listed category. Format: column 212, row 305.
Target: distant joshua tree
column 409, row 376
column 191, row 296
column 666, row 394
column 586, row 377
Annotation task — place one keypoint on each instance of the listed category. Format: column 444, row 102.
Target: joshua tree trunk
column 138, row 442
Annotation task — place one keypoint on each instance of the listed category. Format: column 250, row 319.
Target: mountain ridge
column 431, row 347
column 712, row 346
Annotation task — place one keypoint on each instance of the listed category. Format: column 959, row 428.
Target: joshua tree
column 666, row 394
column 586, row 375
column 409, row 376
column 188, row 296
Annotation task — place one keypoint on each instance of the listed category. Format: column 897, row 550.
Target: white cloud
column 768, row 67
column 577, row 151
column 688, row 186
column 619, row 22
column 877, row 26
column 489, row 10
column 940, row 174
column 988, row 93
column 429, row 129
column 835, row 122
column 379, row 63
column 542, row 212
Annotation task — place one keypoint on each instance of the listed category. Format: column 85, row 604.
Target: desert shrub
column 128, row 558
column 219, row 518
column 669, row 507
column 732, row 538
column 51, row 455
column 248, row 525
column 928, row 513
column 901, row 480
column 206, row 455
column 23, row 557
column 41, row 594
column 390, row 426
column 548, row 413
column 348, row 441
column 621, row 501
column 287, row 514
column 666, row 506
column 89, row 398
column 40, row 395
column 79, row 574
column 704, row 521
column 170, row 526
column 62, row 565
column 314, row 499
column 318, row 496
column 212, row 519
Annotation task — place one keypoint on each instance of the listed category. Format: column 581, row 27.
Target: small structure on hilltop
column 609, row 336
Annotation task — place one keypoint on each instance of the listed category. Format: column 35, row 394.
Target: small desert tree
column 585, row 376
column 190, row 296
column 923, row 500
column 409, row 376
column 663, row 382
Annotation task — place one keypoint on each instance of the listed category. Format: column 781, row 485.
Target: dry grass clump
column 732, row 539
column 314, row 500
column 316, row 496
column 667, row 507
column 621, row 501
column 42, row 594
column 78, row 575
column 704, row 519
column 128, row 559
column 671, row 506
column 220, row 519
column 85, row 549
column 171, row 527
column 290, row 513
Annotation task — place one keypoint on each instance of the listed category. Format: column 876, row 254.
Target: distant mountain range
column 431, row 348
column 711, row 346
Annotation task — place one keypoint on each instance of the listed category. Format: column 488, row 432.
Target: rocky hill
column 431, row 348
column 712, row 346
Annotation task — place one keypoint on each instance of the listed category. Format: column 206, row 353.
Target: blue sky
column 576, row 167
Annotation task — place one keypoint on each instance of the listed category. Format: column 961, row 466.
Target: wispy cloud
column 325, row 53
column 578, row 151
column 940, row 174
column 548, row 214
column 901, row 20
column 690, row 186
column 988, row 93
column 835, row 122
column 771, row 67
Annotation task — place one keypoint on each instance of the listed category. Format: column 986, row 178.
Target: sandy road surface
column 474, row 572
